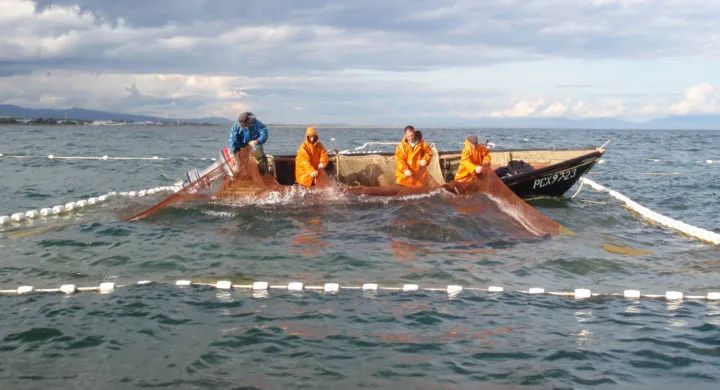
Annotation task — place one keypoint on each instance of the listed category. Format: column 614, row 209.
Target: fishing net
column 238, row 176
column 490, row 184
column 379, row 171
column 375, row 175
column 231, row 176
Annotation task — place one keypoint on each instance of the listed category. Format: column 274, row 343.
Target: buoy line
column 262, row 288
column 682, row 227
column 69, row 207
column 104, row 157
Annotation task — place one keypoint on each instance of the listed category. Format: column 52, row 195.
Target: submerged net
column 235, row 177
column 489, row 184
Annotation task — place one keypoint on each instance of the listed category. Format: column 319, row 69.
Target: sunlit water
column 163, row 336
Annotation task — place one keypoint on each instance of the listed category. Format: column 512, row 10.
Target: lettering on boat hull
column 556, row 177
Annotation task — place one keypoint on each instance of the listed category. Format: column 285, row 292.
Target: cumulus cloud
column 699, row 99
column 255, row 37
column 556, row 108
column 157, row 94
column 398, row 60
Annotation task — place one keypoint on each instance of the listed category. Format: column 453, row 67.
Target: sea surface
column 163, row 336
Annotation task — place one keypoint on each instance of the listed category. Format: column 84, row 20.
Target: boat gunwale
column 442, row 153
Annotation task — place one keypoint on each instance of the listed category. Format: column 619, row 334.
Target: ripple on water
column 164, row 336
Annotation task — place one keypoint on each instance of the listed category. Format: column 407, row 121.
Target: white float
column 674, row 295
column 582, row 293
column 453, row 289
column 223, row 284
column 25, row 289
column 259, row 286
column 106, row 288
column 295, row 286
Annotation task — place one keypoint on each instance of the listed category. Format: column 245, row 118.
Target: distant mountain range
column 11, row 111
column 685, row 122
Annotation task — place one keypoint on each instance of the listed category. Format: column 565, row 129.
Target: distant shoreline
column 77, row 122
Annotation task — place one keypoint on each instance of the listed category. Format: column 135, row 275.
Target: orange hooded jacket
column 470, row 159
column 307, row 159
column 408, row 157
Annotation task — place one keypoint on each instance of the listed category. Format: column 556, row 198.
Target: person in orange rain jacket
column 412, row 157
column 474, row 159
column 311, row 157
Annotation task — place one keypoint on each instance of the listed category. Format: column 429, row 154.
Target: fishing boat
column 547, row 172
column 525, row 174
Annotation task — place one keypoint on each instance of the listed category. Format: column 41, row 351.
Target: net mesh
column 489, row 184
column 379, row 171
column 239, row 176
column 232, row 176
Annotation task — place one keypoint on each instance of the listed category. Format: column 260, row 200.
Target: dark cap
column 246, row 119
column 472, row 139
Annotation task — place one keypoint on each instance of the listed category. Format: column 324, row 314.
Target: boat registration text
column 555, row 178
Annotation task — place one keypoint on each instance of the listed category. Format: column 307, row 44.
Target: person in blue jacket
column 250, row 131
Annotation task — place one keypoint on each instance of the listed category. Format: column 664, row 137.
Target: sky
column 364, row 62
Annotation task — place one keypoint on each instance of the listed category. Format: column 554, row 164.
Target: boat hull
column 550, row 179
column 553, row 180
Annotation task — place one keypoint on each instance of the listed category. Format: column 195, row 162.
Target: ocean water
column 160, row 335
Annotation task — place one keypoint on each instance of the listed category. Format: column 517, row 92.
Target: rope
column 580, row 187
column 682, row 227
column 261, row 289
column 366, row 144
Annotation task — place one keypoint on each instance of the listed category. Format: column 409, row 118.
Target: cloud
column 264, row 37
column 541, row 107
column 699, row 99
column 174, row 95
column 347, row 61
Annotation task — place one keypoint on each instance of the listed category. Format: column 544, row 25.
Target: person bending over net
column 248, row 131
column 311, row 158
column 412, row 157
column 474, row 159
